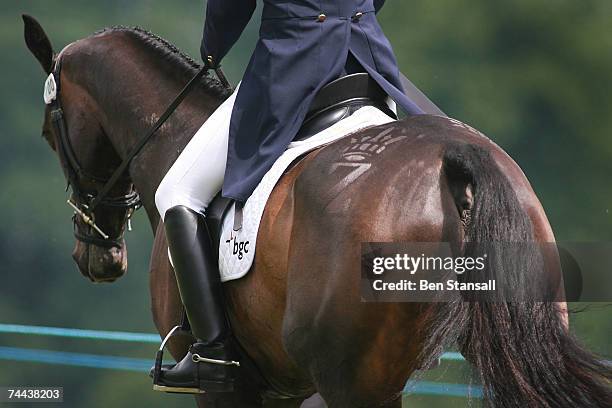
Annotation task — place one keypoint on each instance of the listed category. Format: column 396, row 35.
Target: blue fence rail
column 143, row 365
column 75, row 359
column 80, row 333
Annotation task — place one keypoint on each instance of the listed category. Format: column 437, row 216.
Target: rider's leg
column 201, row 293
column 181, row 199
column 197, row 174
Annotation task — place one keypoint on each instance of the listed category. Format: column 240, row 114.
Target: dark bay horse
column 297, row 315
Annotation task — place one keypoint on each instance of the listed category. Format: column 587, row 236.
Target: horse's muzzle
column 101, row 264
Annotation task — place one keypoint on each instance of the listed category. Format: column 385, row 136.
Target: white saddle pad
column 237, row 248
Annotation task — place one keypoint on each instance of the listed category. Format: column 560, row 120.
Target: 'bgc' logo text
column 239, row 248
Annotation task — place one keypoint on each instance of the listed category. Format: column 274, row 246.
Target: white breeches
column 197, row 174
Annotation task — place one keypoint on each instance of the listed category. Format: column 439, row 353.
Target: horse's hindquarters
column 380, row 185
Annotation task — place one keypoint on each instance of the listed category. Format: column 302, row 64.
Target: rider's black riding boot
column 207, row 366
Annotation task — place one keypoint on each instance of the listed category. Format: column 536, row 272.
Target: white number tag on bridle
column 50, row 92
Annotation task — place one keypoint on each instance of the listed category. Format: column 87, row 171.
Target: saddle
column 335, row 101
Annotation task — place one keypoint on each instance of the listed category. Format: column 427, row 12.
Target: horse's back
column 395, row 171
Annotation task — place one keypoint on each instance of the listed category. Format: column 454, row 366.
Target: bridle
column 83, row 202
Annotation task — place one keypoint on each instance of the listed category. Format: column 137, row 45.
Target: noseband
column 85, row 203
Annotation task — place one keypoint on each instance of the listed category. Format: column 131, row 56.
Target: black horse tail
column 522, row 351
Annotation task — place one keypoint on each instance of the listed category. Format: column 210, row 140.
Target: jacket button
column 357, row 16
column 322, row 17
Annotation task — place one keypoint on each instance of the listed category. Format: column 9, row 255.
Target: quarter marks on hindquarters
column 357, row 159
column 458, row 124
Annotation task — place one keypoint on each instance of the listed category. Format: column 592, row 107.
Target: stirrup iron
column 160, row 356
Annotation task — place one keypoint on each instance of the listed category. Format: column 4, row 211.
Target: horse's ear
column 38, row 42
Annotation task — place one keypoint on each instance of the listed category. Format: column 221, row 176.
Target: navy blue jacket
column 303, row 45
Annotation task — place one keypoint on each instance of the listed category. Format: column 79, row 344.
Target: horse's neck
column 155, row 90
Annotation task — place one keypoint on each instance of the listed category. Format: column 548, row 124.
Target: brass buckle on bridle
column 89, row 220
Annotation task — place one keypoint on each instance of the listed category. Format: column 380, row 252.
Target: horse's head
column 75, row 128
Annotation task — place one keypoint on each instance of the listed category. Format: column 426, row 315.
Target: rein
column 84, row 204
